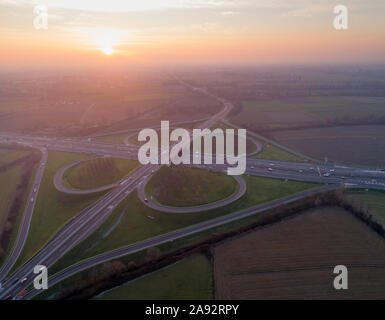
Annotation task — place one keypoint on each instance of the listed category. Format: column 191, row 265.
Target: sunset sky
column 190, row 31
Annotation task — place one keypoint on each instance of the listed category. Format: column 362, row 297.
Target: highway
column 90, row 219
column 86, row 222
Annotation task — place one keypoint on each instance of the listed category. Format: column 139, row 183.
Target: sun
column 105, row 40
column 107, row 50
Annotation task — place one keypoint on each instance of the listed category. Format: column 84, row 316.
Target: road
column 81, row 226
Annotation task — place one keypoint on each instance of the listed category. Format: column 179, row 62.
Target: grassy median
column 181, row 186
column 188, row 279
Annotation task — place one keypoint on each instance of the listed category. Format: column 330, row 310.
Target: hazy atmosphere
column 190, row 32
column 188, row 156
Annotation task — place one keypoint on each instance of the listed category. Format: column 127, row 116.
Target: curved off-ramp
column 58, row 180
column 205, row 207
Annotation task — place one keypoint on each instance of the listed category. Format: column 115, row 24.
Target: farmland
column 294, row 259
column 280, row 114
column 98, row 172
column 188, row 279
column 372, row 200
column 359, row 145
column 184, row 187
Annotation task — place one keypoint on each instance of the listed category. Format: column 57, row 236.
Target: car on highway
column 22, row 293
column 23, row 280
column 145, row 200
column 31, row 200
column 269, row 169
column 327, row 174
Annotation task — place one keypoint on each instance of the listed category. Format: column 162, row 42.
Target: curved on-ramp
column 58, row 180
column 205, row 207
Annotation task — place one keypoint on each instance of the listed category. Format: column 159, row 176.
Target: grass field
column 9, row 154
column 9, row 180
column 292, row 112
column 373, row 200
column 15, row 183
column 294, row 259
column 361, row 145
column 188, row 279
column 113, row 138
column 274, row 153
column 53, row 208
column 182, row 186
column 98, row 172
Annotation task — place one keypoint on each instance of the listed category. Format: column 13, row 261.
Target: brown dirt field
column 295, row 259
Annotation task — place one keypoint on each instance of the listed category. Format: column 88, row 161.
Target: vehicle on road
column 145, row 200
column 23, row 280
column 269, row 169
column 22, row 293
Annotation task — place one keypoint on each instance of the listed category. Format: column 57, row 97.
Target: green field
column 113, row 138
column 182, row 186
column 188, row 279
column 54, row 208
column 15, row 182
column 9, row 180
column 274, row 153
column 150, row 96
column 373, row 200
column 9, row 154
column 294, row 112
column 98, row 172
